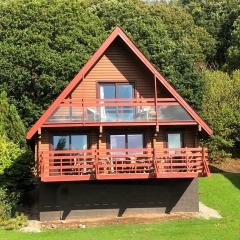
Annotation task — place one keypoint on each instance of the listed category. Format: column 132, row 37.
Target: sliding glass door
column 116, row 91
column 127, row 141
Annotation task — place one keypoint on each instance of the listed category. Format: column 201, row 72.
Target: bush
column 221, row 108
column 19, row 221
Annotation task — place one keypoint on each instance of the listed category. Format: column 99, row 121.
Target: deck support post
column 155, row 98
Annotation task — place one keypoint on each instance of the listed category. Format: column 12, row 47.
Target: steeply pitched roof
column 118, row 32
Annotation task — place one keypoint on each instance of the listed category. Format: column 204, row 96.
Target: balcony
column 103, row 164
column 125, row 111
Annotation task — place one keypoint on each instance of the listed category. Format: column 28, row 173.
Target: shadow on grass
column 233, row 177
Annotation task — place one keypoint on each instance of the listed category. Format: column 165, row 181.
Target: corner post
column 155, row 101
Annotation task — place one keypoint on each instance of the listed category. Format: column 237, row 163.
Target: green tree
column 43, row 44
column 233, row 54
column 221, row 108
column 167, row 35
column 218, row 18
column 11, row 124
column 16, row 160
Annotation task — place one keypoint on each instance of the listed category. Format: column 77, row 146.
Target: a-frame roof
column 118, row 32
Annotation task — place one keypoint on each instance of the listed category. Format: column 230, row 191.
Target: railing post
column 155, row 164
column 155, row 98
column 60, row 166
column 96, row 163
column 205, row 165
column 186, row 154
column 41, row 165
column 84, row 113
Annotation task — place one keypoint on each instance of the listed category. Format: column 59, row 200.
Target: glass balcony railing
column 121, row 110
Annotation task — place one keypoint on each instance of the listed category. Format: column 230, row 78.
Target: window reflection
column 173, row 112
column 60, row 142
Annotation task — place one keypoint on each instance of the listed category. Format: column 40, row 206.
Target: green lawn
column 221, row 192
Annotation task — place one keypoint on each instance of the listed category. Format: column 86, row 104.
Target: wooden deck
column 103, row 164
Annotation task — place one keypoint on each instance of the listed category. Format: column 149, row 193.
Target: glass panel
column 135, row 141
column 173, row 112
column 76, row 114
column 78, row 142
column 61, row 114
column 107, row 91
column 117, row 141
column 124, row 91
column 174, row 140
column 125, row 113
column 60, row 142
column 108, row 114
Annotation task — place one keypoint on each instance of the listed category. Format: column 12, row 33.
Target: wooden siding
column 99, row 141
column 118, row 64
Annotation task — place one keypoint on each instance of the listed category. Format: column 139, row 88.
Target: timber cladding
column 118, row 64
column 97, row 140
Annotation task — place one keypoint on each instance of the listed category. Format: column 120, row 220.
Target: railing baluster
column 96, row 163
column 186, row 153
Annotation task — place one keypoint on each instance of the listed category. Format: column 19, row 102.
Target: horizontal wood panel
column 118, row 64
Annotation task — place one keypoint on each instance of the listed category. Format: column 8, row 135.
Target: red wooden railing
column 77, row 165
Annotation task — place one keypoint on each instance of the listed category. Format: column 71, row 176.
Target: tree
column 171, row 40
column 16, row 160
column 221, row 108
column 218, row 18
column 43, row 44
column 233, row 54
column 11, row 124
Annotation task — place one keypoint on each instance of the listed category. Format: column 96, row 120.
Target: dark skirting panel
column 94, row 199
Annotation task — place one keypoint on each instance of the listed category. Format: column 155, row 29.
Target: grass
column 220, row 191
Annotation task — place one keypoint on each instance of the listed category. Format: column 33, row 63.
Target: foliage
column 15, row 157
column 43, row 44
column 8, row 219
column 10, row 122
column 15, row 164
column 219, row 18
column 167, row 35
column 221, row 108
column 233, row 54
column 17, row 222
column 9, row 153
column 8, row 203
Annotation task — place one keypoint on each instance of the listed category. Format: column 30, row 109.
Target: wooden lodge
column 118, row 125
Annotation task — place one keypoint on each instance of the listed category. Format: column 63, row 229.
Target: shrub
column 221, row 108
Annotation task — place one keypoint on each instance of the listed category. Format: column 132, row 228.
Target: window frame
column 126, row 138
column 175, row 132
column 51, row 145
column 115, row 84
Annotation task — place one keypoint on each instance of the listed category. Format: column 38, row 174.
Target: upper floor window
column 116, row 90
